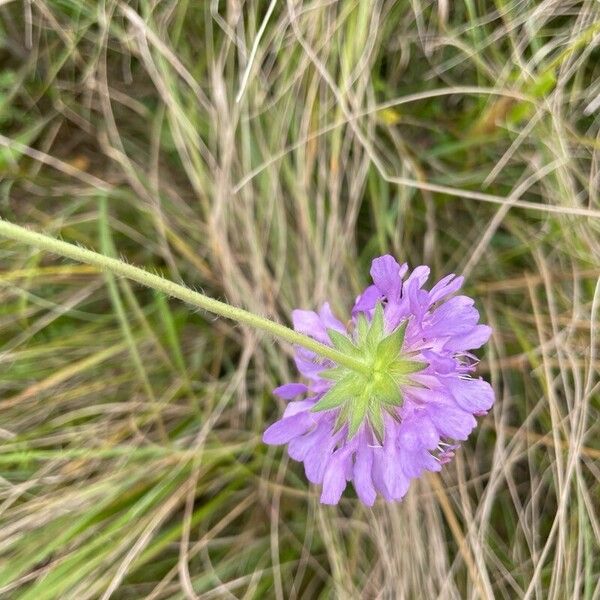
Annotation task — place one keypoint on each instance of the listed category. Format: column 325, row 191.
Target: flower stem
column 143, row 277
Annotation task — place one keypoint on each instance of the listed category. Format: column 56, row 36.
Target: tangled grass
column 264, row 153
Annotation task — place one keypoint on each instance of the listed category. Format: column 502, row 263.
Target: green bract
column 359, row 396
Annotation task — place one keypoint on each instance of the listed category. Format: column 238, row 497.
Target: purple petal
column 394, row 313
column 299, row 447
column 420, row 275
column 450, row 420
column 474, row 395
column 439, row 363
column 444, row 287
column 418, row 299
column 456, row 316
column 387, row 276
column 393, row 477
column 315, row 462
column 363, row 482
column 396, row 481
column 308, row 363
column 367, row 300
column 293, row 408
column 414, row 302
column 284, row 430
column 420, row 396
column 377, row 474
column 413, row 464
column 309, row 323
column 417, row 432
column 317, row 457
column 334, row 480
column 290, row 390
column 329, row 320
column 416, row 437
column 321, row 386
column 472, row 340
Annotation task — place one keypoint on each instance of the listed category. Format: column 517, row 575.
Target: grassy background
column 459, row 134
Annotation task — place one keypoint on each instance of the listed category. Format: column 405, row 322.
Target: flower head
column 414, row 398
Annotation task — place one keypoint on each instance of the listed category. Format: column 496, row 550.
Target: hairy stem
column 143, row 277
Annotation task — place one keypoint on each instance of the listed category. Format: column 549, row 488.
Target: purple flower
column 415, row 398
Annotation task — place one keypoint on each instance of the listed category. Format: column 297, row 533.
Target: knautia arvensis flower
column 385, row 400
column 405, row 411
